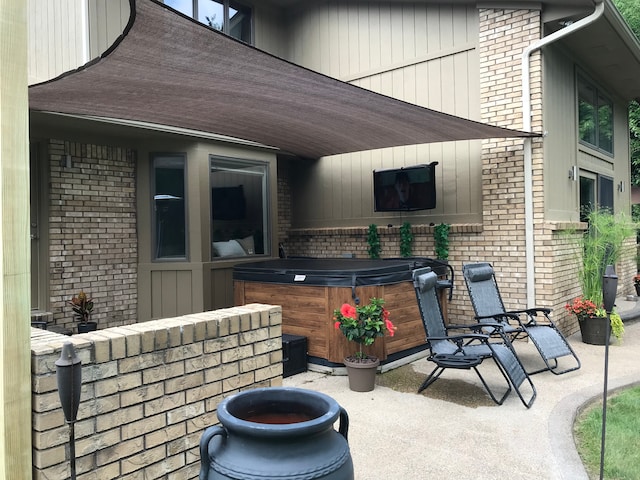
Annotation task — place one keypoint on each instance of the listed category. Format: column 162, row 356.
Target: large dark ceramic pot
column 594, row 330
column 277, row 433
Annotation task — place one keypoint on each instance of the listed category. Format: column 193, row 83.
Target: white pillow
column 247, row 244
column 228, row 249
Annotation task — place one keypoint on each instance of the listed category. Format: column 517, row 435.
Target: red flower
column 348, row 311
column 337, row 325
column 390, row 326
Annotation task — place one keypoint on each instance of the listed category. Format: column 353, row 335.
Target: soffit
column 170, row 70
column 608, row 49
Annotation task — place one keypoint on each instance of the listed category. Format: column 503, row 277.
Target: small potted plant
column 82, row 307
column 593, row 321
column 602, row 244
column 362, row 324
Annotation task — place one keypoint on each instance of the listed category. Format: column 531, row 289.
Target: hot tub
column 310, row 289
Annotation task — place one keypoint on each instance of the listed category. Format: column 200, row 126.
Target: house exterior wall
column 560, row 121
column 106, row 20
column 92, row 231
column 421, row 53
column 177, row 287
column 149, row 391
column 56, row 38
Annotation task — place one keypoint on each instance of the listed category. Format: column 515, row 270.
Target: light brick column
column 503, row 36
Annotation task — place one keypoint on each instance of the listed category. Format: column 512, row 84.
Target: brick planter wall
column 149, row 390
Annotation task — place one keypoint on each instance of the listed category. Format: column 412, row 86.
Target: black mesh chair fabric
column 535, row 323
column 466, row 350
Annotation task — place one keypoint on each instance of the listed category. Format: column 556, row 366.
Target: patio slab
column 441, row 434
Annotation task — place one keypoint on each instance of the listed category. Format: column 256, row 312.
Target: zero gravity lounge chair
column 465, row 351
column 535, row 323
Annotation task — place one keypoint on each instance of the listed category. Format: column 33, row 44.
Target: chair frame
column 513, row 324
column 471, row 349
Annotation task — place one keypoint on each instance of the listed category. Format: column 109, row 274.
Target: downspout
column 526, row 121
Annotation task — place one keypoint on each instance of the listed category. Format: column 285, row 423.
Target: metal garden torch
column 609, row 289
column 69, row 378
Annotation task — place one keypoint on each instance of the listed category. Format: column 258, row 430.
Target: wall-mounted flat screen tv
column 405, row 189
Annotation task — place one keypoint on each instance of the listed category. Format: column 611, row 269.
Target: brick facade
column 149, row 391
column 92, row 231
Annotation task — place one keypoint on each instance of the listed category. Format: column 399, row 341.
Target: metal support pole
column 609, row 290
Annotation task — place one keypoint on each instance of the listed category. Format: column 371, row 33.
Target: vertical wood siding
column 107, row 20
column 423, row 54
column 55, row 38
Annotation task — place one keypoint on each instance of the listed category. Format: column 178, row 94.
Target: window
column 239, row 207
column 228, row 16
column 595, row 191
column 169, row 207
column 595, row 117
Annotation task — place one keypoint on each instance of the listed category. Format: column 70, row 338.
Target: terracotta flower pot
column 362, row 373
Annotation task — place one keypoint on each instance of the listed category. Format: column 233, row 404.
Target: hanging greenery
column 406, row 240
column 373, row 239
column 441, row 239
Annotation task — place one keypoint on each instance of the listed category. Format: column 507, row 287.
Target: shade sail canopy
column 168, row 69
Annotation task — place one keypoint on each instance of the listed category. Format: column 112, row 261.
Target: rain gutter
column 526, row 121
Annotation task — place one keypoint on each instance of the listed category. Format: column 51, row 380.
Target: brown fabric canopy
column 171, row 70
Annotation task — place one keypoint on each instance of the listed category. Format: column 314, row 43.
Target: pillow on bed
column 247, row 244
column 228, row 249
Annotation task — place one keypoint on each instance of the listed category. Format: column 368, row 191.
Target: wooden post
column 15, row 303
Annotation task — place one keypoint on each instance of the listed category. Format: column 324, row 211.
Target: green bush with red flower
column 363, row 323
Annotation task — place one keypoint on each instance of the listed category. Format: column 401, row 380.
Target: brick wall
column 149, row 390
column 92, row 231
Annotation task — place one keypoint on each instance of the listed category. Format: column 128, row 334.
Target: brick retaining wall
column 149, row 390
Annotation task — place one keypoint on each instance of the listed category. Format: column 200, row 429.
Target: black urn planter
column 87, row 327
column 594, row 330
column 279, row 433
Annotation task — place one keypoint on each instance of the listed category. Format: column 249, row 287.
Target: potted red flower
column 362, row 324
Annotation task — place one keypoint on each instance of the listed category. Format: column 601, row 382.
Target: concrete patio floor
column 453, row 430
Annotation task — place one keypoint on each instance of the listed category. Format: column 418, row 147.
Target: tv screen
column 405, row 189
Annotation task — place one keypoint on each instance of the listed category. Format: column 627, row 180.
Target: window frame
column 236, row 164
column 155, row 157
column 603, row 189
column 600, row 99
column 226, row 19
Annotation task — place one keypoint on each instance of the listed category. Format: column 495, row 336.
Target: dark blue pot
column 277, row 433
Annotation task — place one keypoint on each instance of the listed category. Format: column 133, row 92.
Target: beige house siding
column 423, row 54
column 92, row 231
column 107, row 19
column 56, row 38
column 169, row 288
column 561, row 120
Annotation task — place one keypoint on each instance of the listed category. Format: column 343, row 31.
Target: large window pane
column 587, row 196
column 595, row 117
column 238, row 208
column 183, row 6
column 211, row 13
column 605, row 124
column 169, row 207
column 239, row 22
column 587, row 113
